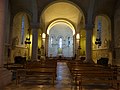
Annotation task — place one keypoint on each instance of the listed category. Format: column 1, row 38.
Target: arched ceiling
column 101, row 6
column 61, row 22
column 62, row 10
column 107, row 7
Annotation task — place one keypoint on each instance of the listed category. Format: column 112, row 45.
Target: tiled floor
column 63, row 82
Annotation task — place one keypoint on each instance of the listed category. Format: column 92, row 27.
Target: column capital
column 89, row 26
column 35, row 25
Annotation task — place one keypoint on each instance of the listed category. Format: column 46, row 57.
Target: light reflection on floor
column 63, row 82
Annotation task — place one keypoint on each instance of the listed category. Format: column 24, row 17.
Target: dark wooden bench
column 88, row 73
column 97, row 77
column 13, row 66
column 38, row 69
column 36, row 72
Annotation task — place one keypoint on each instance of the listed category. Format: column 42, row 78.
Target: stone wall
column 5, row 75
column 117, row 36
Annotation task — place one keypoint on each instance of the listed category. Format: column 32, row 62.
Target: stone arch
column 17, row 25
column 67, row 22
column 29, row 14
column 102, row 14
column 23, row 12
column 62, row 31
column 18, row 48
column 74, row 23
column 73, row 2
column 104, row 49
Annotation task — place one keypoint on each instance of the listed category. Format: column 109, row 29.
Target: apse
column 60, row 41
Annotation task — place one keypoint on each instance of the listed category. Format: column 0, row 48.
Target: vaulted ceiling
column 106, row 6
column 72, row 10
column 62, row 10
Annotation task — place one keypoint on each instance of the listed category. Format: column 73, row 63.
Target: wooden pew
column 88, row 73
column 13, row 66
column 38, row 69
column 100, row 77
column 36, row 72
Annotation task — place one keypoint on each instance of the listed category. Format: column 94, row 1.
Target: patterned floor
column 63, row 82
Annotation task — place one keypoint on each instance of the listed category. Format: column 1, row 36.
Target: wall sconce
column 27, row 41
column 43, row 35
column 78, row 36
column 78, row 40
column 98, row 42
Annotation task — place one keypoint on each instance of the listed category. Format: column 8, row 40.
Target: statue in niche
column 15, row 41
column 105, row 43
column 39, row 51
column 42, row 50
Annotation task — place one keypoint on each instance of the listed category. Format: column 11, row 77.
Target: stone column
column 89, row 33
column 74, row 46
column 2, row 27
column 47, row 42
column 5, row 75
column 35, row 27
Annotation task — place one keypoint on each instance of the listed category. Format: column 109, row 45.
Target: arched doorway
column 62, row 21
column 60, row 42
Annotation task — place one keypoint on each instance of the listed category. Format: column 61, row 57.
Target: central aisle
column 63, row 76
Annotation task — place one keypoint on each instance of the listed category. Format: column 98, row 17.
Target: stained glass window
column 22, row 29
column 60, row 43
column 51, row 41
column 99, row 26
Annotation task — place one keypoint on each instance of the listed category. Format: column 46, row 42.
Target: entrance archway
column 65, row 15
column 60, row 42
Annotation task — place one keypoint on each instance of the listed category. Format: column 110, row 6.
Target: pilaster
column 5, row 75
column 34, row 27
column 89, row 33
